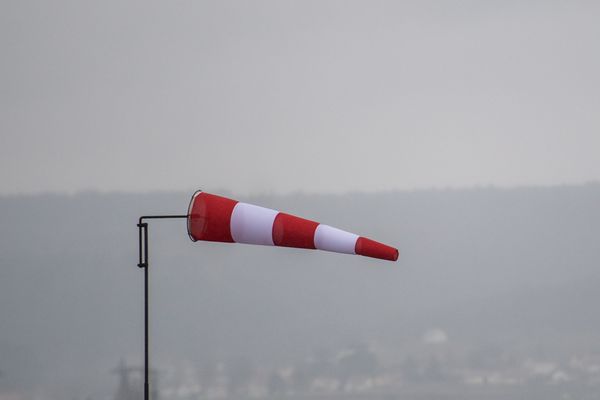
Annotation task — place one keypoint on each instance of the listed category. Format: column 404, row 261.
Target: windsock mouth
column 189, row 215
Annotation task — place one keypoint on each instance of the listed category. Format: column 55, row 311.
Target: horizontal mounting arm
column 143, row 236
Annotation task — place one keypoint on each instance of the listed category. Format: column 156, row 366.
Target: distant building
column 131, row 383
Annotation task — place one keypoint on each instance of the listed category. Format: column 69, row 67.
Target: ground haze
column 494, row 296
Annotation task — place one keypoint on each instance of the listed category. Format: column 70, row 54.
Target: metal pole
column 146, row 352
column 143, row 263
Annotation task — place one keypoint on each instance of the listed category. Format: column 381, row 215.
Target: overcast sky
column 278, row 96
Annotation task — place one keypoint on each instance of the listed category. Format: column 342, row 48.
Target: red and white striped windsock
column 219, row 219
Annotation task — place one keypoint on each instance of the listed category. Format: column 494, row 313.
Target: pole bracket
column 143, row 245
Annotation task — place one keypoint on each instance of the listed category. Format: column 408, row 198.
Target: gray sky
column 284, row 96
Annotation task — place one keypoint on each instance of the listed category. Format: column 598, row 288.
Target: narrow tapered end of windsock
column 370, row 248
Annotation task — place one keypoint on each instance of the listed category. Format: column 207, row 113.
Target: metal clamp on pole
column 143, row 244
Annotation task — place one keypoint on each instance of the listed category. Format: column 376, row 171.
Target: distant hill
column 483, row 264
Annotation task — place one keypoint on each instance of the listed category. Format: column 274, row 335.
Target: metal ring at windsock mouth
column 189, row 213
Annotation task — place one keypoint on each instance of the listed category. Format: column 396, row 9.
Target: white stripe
column 252, row 224
column 333, row 239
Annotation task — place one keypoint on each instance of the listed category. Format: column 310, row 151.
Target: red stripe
column 292, row 231
column 210, row 217
column 371, row 248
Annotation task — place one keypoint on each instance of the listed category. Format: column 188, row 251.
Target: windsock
column 219, row 219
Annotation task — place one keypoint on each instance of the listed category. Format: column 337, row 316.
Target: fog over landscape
column 465, row 133
column 489, row 281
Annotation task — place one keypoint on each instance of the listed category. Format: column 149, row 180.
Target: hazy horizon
column 300, row 192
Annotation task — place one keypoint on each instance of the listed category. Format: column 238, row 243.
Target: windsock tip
column 370, row 248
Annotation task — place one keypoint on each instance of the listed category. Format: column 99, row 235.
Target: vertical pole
column 143, row 263
column 146, row 356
